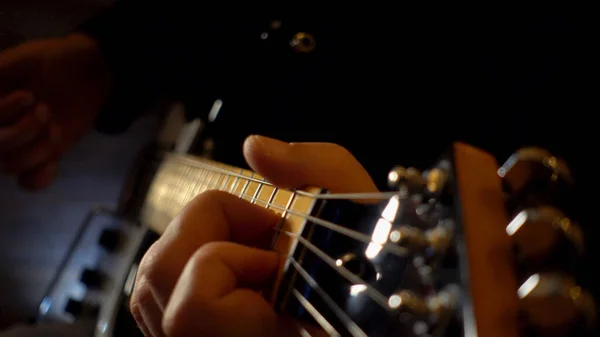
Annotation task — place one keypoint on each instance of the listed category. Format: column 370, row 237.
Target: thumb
column 295, row 165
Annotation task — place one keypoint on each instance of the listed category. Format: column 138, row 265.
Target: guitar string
column 350, row 325
column 373, row 293
column 316, row 315
column 304, row 333
column 358, row 236
column 342, row 196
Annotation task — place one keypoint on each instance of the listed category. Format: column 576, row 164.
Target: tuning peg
column 554, row 304
column 534, row 172
column 432, row 241
column 538, row 233
column 436, row 179
column 408, row 301
column 409, row 177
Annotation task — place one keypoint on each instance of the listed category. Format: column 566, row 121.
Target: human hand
column 202, row 277
column 50, row 93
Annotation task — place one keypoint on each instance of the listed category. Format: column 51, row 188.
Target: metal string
column 373, row 293
column 354, row 330
column 322, row 321
column 388, row 247
column 342, row 196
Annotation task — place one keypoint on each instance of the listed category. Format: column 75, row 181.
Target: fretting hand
column 201, row 277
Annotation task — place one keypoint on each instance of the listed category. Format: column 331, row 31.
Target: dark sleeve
column 156, row 52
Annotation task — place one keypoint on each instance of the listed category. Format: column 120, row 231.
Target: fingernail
column 270, row 146
column 42, row 114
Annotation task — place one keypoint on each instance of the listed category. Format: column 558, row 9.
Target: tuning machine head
column 542, row 232
column 535, row 176
column 432, row 241
column 431, row 182
column 425, row 311
column 553, row 304
column 409, row 178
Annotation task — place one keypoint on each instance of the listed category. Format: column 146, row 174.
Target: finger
column 212, row 216
column 14, row 106
column 42, row 150
column 15, row 68
column 295, row 165
column 25, row 130
column 217, row 288
column 40, row 177
column 146, row 312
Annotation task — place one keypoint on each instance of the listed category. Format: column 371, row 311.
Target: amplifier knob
column 80, row 309
column 93, row 279
column 74, row 307
column 110, row 239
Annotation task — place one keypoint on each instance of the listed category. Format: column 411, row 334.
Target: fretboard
column 180, row 178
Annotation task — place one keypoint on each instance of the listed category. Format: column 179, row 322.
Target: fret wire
column 207, row 180
column 289, row 204
column 372, row 292
column 283, row 217
column 188, row 187
column 237, row 179
column 214, row 181
column 270, row 201
column 246, row 186
column 256, row 193
column 322, row 321
column 353, row 196
column 214, row 186
column 198, row 182
column 348, row 322
column 227, row 176
column 391, row 248
column 204, row 179
column 196, row 163
column 198, row 187
column 176, row 197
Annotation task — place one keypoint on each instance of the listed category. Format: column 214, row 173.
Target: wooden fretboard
column 180, row 178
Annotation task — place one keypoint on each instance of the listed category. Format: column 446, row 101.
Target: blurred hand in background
column 50, row 93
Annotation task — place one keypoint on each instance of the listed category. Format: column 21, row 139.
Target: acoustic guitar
column 466, row 248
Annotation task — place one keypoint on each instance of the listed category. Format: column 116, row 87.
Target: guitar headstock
column 463, row 249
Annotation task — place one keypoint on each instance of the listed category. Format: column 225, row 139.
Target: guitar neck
column 180, row 178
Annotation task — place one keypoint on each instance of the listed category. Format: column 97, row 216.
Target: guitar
column 465, row 248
